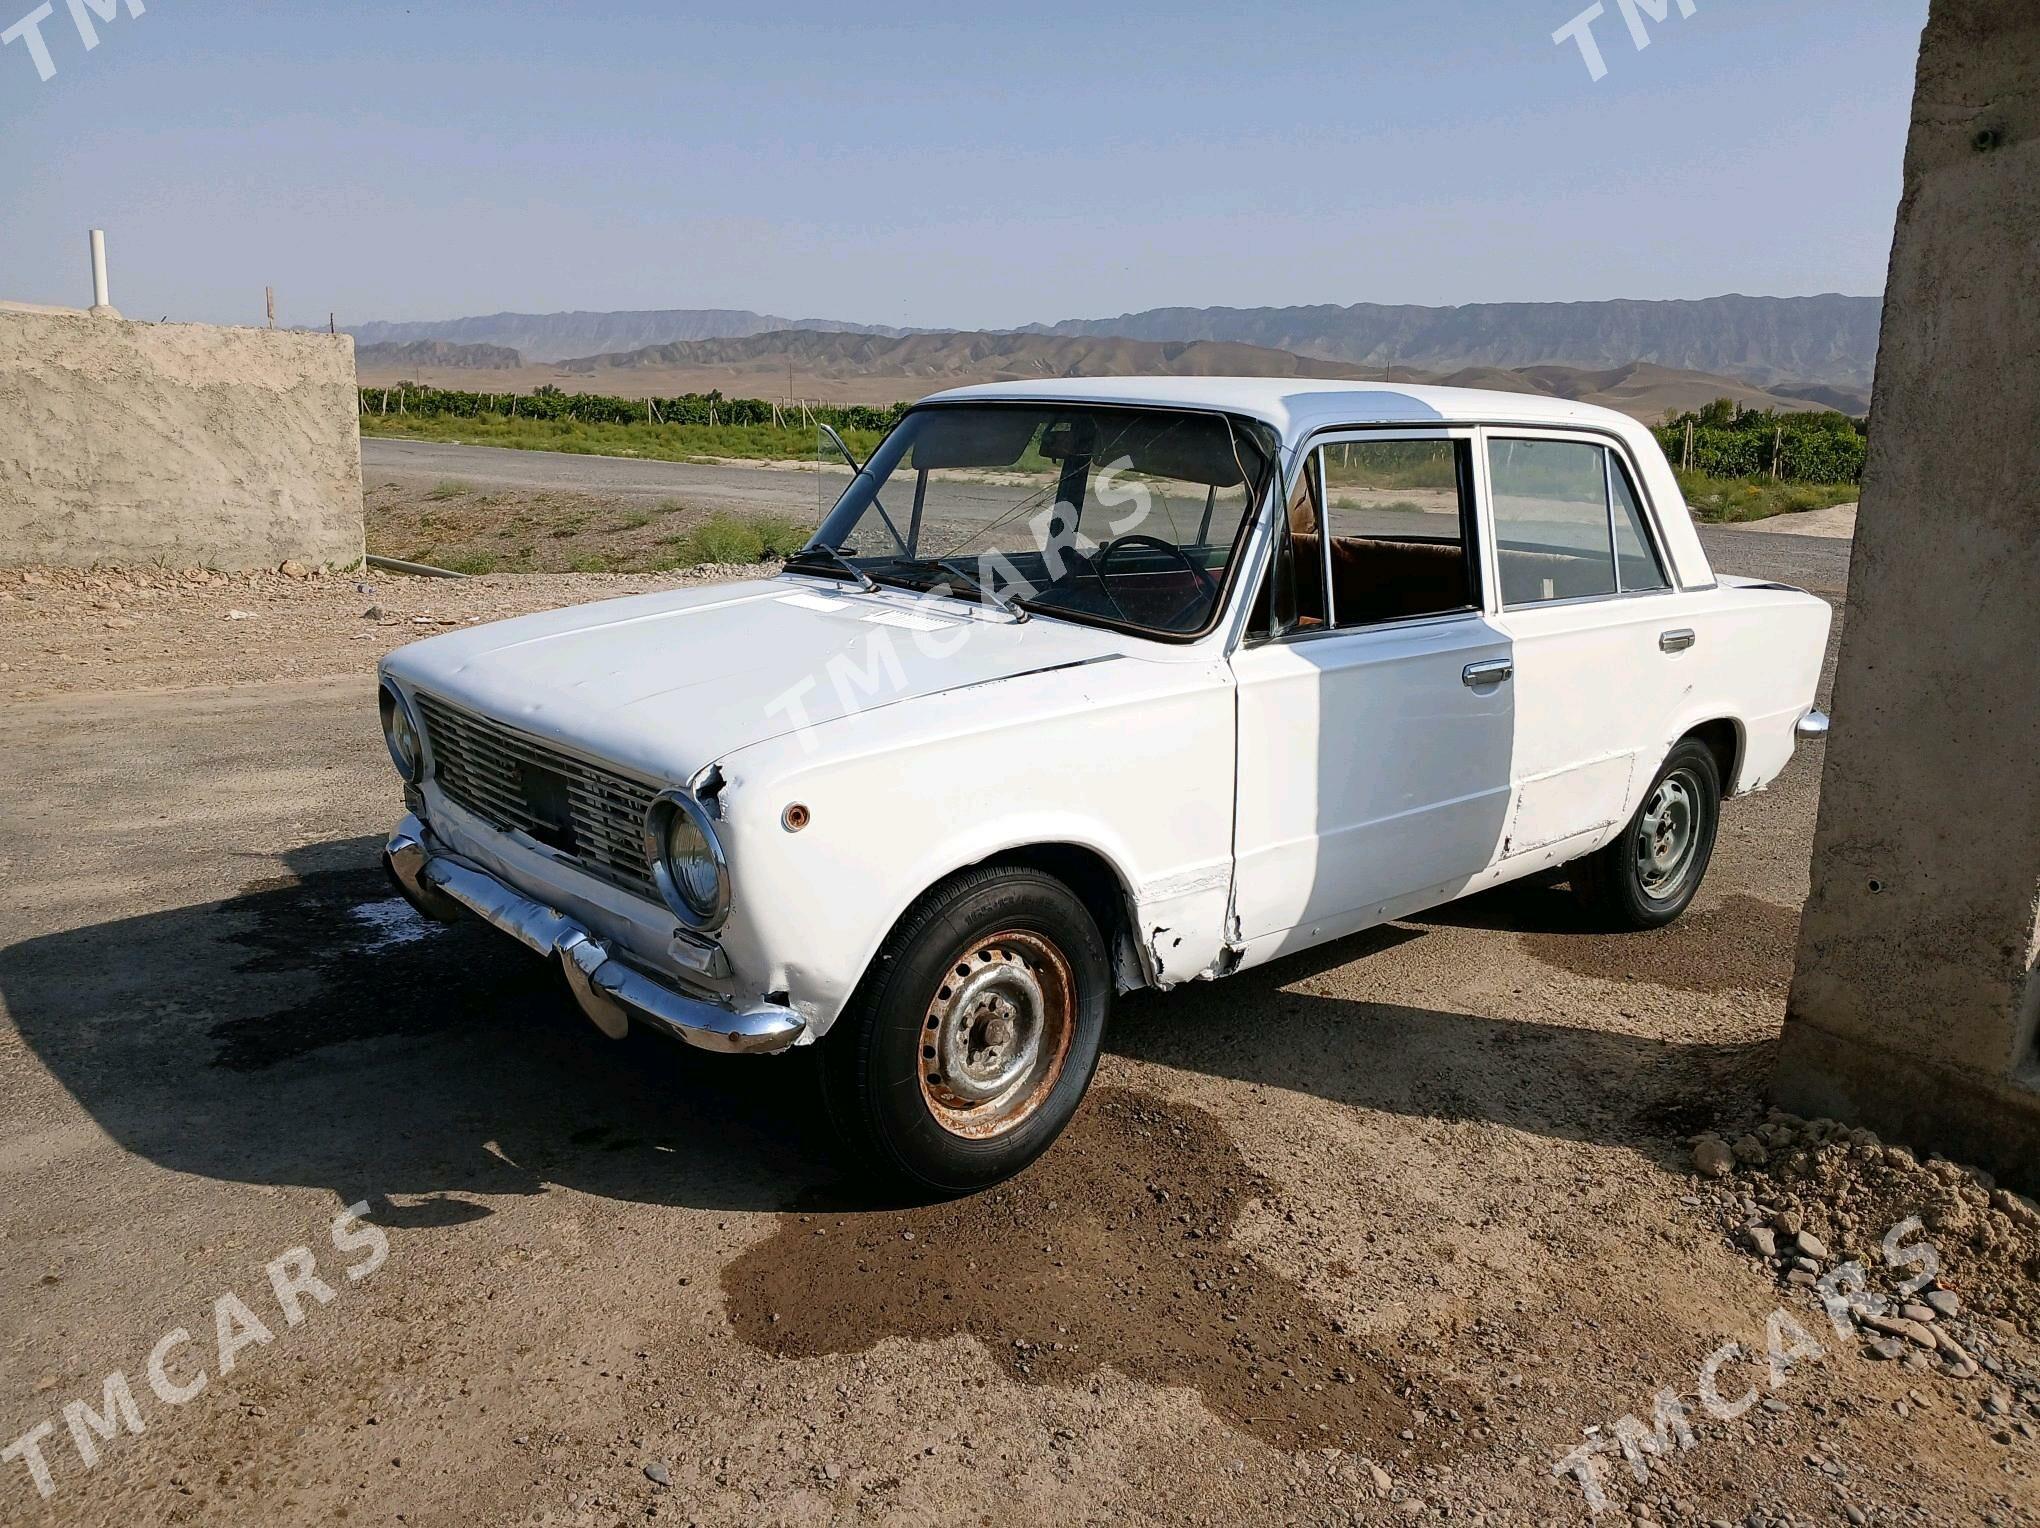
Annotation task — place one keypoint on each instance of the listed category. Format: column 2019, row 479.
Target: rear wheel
column 969, row 1044
column 1650, row 873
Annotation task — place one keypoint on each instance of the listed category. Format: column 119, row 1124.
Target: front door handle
column 1494, row 671
column 1676, row 641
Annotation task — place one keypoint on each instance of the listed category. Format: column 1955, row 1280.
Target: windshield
column 1125, row 516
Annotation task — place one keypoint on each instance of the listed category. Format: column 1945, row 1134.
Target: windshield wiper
column 998, row 601
column 816, row 548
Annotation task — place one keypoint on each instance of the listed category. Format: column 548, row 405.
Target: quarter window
column 1568, row 524
column 1635, row 560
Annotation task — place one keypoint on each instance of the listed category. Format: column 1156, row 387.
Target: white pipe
column 100, row 299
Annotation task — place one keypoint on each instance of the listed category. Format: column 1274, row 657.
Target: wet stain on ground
column 386, row 975
column 1114, row 1249
column 1743, row 945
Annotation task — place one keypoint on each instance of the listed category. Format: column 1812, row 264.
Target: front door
column 1376, row 701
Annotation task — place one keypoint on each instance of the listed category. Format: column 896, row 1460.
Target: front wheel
column 969, row 1044
column 1648, row 875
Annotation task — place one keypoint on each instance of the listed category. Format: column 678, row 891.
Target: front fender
column 1136, row 767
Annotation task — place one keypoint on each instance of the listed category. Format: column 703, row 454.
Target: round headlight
column 687, row 860
column 407, row 749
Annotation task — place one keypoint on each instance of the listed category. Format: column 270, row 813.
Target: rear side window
column 1568, row 524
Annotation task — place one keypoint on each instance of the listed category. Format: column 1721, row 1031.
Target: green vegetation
column 728, row 539
column 471, row 562
column 1724, row 501
column 691, row 427
column 659, row 442
column 449, row 488
column 1723, row 441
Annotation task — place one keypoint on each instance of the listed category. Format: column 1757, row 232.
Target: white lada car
column 1089, row 686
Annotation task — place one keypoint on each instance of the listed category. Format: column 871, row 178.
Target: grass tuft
column 730, row 539
column 1729, row 501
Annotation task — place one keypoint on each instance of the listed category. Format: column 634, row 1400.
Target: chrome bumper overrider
column 440, row 885
column 1813, row 724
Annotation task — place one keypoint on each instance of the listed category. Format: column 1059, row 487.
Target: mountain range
column 546, row 337
column 1824, row 341
column 871, row 368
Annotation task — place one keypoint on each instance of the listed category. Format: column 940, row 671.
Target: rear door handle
column 1493, row 671
column 1676, row 641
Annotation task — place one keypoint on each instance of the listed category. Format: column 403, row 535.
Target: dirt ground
column 1376, row 1234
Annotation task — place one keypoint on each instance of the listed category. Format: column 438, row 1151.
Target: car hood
column 665, row 684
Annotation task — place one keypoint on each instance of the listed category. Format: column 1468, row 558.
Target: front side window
column 1128, row 517
column 1400, row 543
column 1401, row 519
column 1567, row 523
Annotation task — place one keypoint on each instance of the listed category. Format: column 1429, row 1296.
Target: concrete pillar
column 1914, row 1004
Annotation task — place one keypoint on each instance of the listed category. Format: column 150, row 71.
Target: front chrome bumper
column 441, row 885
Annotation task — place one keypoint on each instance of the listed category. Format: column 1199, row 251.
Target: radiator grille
column 512, row 781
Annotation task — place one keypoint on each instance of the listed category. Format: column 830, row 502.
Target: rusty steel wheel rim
column 996, row 1034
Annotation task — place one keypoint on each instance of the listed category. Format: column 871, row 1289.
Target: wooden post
column 269, row 295
column 1687, row 462
column 386, row 402
column 332, row 325
column 1778, row 453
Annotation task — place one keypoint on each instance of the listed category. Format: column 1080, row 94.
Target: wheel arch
column 1100, row 887
column 1722, row 736
column 1098, row 881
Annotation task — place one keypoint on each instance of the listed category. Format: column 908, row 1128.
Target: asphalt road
column 1811, row 562
column 782, row 490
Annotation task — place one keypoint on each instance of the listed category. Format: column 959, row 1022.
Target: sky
column 945, row 165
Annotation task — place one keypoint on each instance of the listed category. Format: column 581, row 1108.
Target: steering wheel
column 1209, row 591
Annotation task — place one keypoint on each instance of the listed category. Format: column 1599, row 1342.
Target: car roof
column 1298, row 406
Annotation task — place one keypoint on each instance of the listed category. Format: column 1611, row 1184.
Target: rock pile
column 1808, row 1196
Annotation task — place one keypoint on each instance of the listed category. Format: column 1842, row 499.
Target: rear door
column 1599, row 636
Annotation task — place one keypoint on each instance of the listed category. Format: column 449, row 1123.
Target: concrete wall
column 1914, row 1005
column 180, row 443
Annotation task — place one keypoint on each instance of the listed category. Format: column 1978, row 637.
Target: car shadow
column 1266, row 1026
column 312, row 1030
column 1538, row 905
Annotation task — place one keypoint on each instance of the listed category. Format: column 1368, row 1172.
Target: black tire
column 915, row 1030
column 1619, row 887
